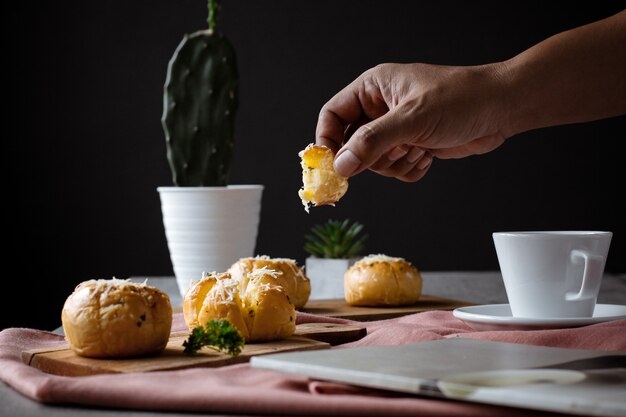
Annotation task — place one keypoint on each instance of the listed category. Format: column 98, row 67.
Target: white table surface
column 483, row 287
column 475, row 287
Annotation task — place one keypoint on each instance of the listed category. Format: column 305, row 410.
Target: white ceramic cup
column 552, row 274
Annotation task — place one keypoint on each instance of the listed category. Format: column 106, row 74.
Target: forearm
column 575, row 76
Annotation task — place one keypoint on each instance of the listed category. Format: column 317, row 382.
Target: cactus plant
column 199, row 105
column 335, row 239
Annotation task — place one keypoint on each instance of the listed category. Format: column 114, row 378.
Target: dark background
column 83, row 85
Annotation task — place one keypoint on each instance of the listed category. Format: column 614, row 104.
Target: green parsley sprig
column 218, row 334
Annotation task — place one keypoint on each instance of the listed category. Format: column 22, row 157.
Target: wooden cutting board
column 340, row 309
column 63, row 361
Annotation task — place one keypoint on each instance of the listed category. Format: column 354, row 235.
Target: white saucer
column 498, row 317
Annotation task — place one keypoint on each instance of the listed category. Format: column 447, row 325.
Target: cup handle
column 592, row 273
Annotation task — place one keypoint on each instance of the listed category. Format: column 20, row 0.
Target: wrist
column 519, row 115
column 501, row 99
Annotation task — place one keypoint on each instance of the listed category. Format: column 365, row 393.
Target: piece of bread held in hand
column 116, row 318
column 262, row 313
column 380, row 280
column 321, row 183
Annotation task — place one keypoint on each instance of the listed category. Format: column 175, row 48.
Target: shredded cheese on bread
column 321, row 183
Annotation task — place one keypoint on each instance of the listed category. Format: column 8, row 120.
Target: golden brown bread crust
column 271, row 315
column 289, row 275
column 194, row 298
column 379, row 280
column 262, row 312
column 224, row 301
column 321, row 183
column 116, row 318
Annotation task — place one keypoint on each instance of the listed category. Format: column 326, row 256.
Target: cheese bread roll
column 284, row 272
column 380, row 280
column 262, row 312
column 116, row 318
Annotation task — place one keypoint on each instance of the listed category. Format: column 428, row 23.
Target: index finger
column 336, row 115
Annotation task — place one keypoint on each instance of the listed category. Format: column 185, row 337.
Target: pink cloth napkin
column 246, row 390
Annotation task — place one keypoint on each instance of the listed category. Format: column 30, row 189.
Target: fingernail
column 414, row 154
column 396, row 153
column 424, row 163
column 347, row 163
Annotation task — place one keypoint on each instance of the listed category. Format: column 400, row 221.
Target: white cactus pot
column 326, row 277
column 209, row 228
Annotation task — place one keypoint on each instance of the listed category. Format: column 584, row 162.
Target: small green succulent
column 335, row 239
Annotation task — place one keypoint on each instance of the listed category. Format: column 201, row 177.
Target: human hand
column 394, row 118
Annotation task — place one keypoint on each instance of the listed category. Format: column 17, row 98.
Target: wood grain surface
column 63, row 361
column 340, row 309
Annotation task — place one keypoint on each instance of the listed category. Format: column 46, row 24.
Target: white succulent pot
column 326, row 277
column 209, row 228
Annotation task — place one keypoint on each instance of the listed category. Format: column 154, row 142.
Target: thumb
column 372, row 140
